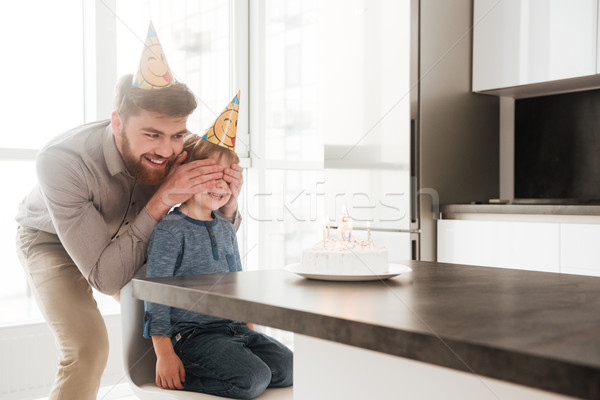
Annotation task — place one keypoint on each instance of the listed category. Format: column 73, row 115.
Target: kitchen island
column 535, row 334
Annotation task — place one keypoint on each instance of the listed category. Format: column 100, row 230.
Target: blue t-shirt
column 179, row 246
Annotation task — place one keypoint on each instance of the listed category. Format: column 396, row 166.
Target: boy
column 199, row 352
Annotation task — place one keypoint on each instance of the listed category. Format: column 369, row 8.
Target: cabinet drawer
column 580, row 249
column 522, row 245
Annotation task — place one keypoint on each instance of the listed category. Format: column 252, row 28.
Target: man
column 102, row 189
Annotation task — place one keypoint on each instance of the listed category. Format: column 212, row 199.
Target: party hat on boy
column 224, row 129
column 153, row 71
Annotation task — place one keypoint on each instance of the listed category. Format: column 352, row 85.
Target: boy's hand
column 169, row 369
column 234, row 177
column 170, row 373
column 182, row 183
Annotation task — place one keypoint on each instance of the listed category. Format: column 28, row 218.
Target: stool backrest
column 138, row 354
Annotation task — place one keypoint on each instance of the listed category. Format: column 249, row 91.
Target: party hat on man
column 224, row 129
column 153, row 71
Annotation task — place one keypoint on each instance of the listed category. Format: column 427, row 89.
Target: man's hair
column 176, row 100
column 199, row 149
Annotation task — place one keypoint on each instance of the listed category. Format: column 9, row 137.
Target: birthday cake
column 338, row 257
column 344, row 254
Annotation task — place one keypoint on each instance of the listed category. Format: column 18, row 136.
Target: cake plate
column 394, row 270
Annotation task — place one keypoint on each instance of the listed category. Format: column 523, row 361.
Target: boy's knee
column 286, row 378
column 254, row 383
column 283, row 373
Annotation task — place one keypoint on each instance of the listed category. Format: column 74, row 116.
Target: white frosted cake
column 337, row 257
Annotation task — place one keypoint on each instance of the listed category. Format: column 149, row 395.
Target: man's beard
column 135, row 165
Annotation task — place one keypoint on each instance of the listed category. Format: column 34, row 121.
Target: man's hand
column 170, row 373
column 233, row 176
column 182, row 183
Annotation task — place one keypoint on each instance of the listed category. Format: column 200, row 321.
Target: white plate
column 394, row 270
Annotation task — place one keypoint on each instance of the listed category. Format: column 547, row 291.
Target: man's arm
column 109, row 263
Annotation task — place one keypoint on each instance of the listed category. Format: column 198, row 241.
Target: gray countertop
column 532, row 328
column 545, row 209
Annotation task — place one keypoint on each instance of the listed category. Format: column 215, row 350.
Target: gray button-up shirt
column 87, row 197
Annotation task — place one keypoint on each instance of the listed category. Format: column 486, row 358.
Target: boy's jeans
column 233, row 361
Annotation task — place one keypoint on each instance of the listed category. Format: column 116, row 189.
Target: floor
column 116, row 392
column 120, row 392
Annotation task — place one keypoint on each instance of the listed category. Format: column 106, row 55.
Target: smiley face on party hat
column 153, row 71
column 223, row 131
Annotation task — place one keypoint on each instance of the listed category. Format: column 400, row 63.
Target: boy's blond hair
column 199, row 149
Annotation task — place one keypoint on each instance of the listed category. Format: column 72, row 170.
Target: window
column 42, row 95
column 64, row 61
column 283, row 199
column 43, row 69
column 330, row 115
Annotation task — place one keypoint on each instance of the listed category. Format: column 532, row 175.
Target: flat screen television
column 557, row 149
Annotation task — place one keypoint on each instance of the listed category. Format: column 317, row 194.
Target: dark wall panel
column 557, row 148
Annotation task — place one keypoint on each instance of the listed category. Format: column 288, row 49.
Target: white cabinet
column 519, row 42
column 522, row 245
column 466, row 243
column 580, row 249
column 537, row 246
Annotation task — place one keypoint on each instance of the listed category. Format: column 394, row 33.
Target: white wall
column 31, row 359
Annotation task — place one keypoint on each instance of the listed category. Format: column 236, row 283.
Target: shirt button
column 127, row 223
column 214, row 244
column 117, row 236
column 133, row 204
column 212, row 234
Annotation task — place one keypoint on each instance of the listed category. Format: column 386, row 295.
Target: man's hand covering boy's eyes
column 184, row 181
column 233, row 176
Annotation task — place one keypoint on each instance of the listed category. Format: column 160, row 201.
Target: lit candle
column 349, row 225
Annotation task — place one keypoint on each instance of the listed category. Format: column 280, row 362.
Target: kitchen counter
column 532, row 209
column 530, row 328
